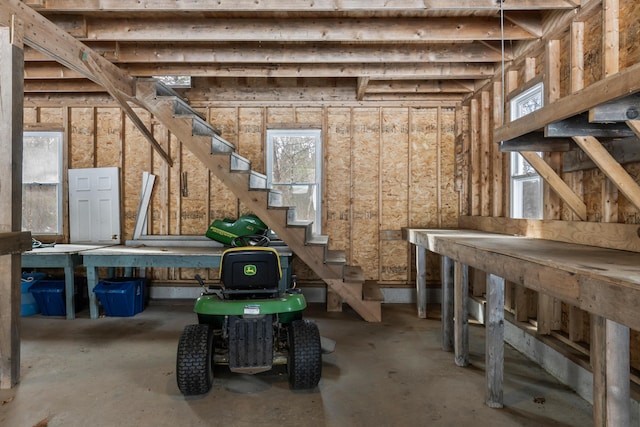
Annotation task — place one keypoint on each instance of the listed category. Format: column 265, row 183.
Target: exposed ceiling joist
column 375, row 30
column 299, row 6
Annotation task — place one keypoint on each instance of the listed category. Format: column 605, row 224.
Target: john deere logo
column 250, row 270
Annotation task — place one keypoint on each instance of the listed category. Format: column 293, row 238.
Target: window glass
column 294, row 164
column 526, row 184
column 42, row 182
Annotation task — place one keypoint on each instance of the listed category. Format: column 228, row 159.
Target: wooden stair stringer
column 371, row 311
column 257, row 202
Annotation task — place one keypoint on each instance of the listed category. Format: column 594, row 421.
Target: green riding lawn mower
column 250, row 323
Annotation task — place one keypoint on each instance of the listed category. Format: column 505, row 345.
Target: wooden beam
column 11, row 128
column 535, row 141
column 612, row 169
column 494, row 342
column 556, row 183
column 361, row 87
column 531, row 22
column 625, row 150
column 461, row 316
column 372, row 30
column 625, row 237
column 615, row 86
column 46, row 37
column 420, row 86
column 619, row 110
column 299, row 6
column 15, row 242
column 389, row 71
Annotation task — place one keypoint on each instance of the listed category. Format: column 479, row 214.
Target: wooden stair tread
column 353, row 273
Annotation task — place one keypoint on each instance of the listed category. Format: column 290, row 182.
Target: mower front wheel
column 194, row 364
column 305, row 355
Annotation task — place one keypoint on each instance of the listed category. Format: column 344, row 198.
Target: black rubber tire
column 305, row 355
column 194, row 363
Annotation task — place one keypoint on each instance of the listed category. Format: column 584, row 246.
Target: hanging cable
column 502, row 58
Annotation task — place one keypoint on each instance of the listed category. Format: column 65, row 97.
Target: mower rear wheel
column 305, row 355
column 194, row 370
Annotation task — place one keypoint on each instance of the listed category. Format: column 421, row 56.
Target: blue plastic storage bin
column 49, row 294
column 28, row 304
column 121, row 297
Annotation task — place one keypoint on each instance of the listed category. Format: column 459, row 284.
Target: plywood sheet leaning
column 223, row 203
column 394, row 184
column 136, row 159
column 337, row 178
column 365, row 152
column 108, row 137
column 448, row 194
column 81, row 138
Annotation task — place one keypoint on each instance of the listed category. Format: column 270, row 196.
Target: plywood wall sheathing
column 593, row 49
column 337, row 167
column 82, row 138
column 222, row 202
column 449, row 196
column 630, row 37
column 394, row 158
column 108, row 137
column 365, row 152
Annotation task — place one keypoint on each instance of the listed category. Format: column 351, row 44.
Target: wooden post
column 11, row 104
column 461, row 317
column 421, row 281
column 611, row 377
column 494, row 341
column 448, row 275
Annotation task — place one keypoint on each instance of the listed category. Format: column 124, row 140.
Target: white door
column 94, row 205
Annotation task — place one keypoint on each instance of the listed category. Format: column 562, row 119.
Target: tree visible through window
column 42, row 182
column 294, row 164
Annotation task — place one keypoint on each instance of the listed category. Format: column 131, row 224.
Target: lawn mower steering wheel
column 251, row 240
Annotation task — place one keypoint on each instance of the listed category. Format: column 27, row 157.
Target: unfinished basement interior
column 447, row 194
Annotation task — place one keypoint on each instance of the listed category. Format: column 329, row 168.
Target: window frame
column 317, row 134
column 59, row 184
column 517, row 179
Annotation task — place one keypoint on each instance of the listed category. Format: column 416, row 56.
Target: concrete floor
column 121, row 372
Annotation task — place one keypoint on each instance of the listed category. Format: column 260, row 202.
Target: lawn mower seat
column 250, row 272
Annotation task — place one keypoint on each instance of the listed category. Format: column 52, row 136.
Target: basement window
column 42, row 183
column 294, row 167
column 526, row 184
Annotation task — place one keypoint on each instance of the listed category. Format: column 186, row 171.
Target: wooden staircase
column 205, row 142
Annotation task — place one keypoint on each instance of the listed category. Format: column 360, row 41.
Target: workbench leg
column 611, row 374
column 447, row 303
column 494, row 341
column 92, row 281
column 461, row 319
column 421, row 281
column 69, row 289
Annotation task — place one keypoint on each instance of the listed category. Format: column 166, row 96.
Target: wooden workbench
column 66, row 256
column 173, row 257
column 603, row 282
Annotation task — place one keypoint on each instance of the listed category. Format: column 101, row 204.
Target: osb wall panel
column 222, row 202
column 593, row 49
column 448, row 209
column 381, row 169
column 81, row 138
column 337, row 178
column 394, row 167
column 136, row 159
column 108, row 137
column 630, row 37
column 565, row 65
column 365, row 190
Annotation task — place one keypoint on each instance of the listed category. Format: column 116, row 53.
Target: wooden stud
column 497, row 172
column 485, row 152
column 474, row 160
